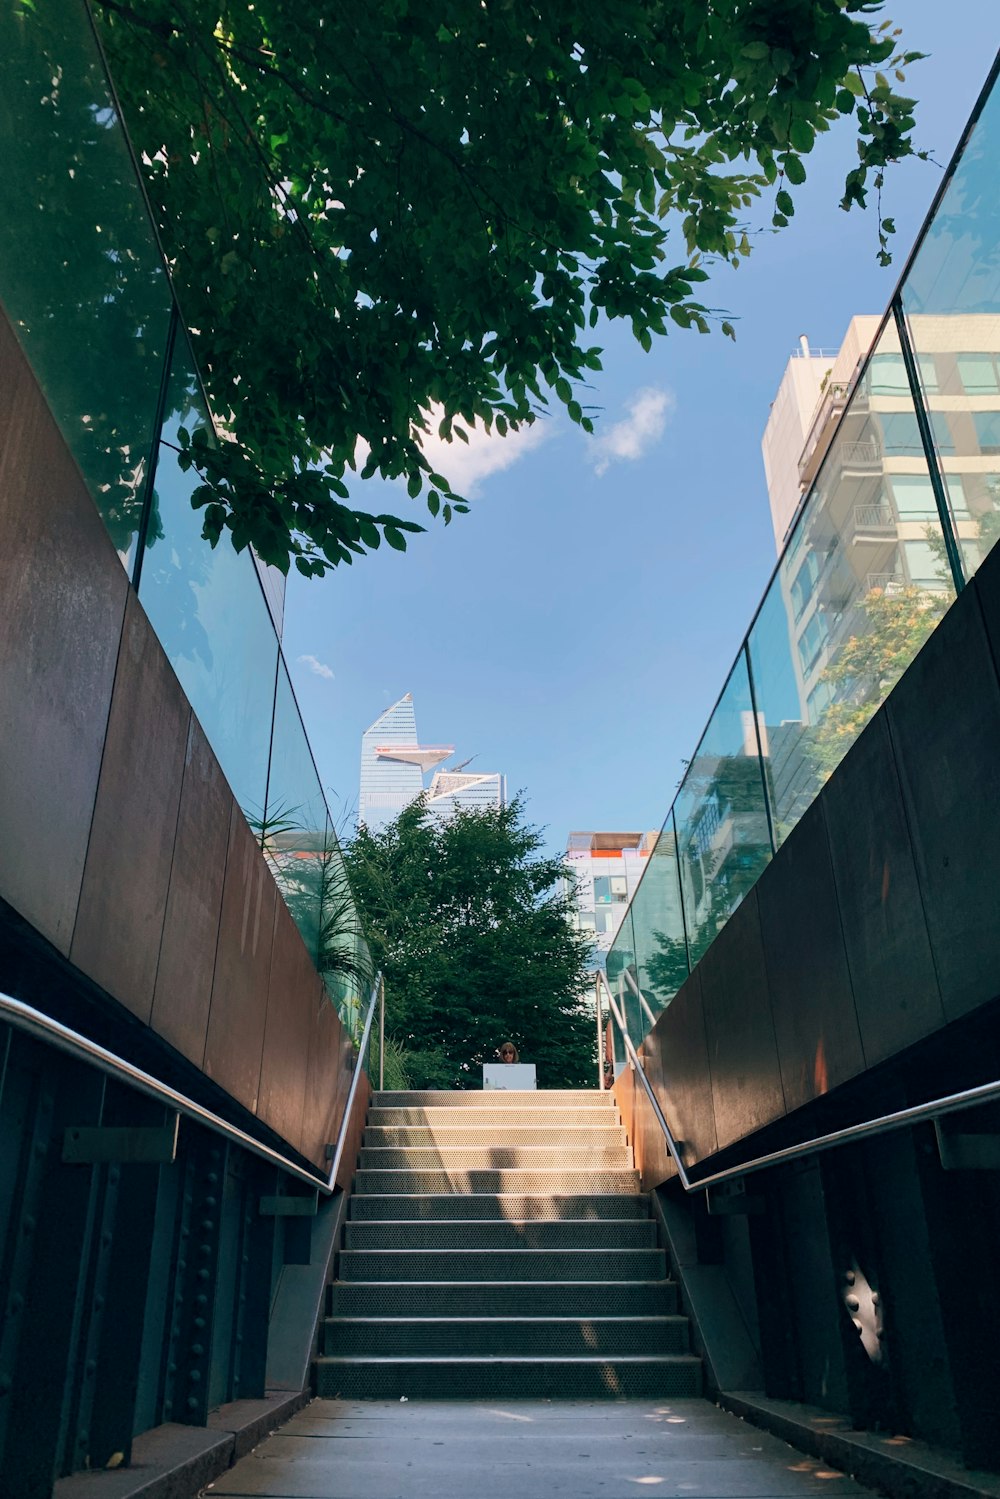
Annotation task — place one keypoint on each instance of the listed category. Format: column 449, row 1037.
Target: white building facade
column 605, row 869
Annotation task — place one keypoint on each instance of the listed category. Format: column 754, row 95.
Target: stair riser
column 635, row 1234
column 567, row 1183
column 499, row 1098
column 520, row 1380
column 502, row 1264
column 500, row 1336
column 483, row 1136
column 496, row 1158
column 520, row 1299
column 482, row 1206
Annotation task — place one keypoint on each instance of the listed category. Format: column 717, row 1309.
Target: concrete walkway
column 335, row 1449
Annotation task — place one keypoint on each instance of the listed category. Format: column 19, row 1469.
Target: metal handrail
column 358, row 1069
column 44, row 1028
column 951, row 1103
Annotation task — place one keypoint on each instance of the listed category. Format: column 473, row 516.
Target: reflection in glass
column 870, row 547
column 207, row 607
column 723, row 843
column 345, row 962
column 658, row 934
column 80, row 274
column 293, row 829
column 621, row 960
column 951, row 298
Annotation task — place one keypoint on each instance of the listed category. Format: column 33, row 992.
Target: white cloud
column 639, row 431
column 466, row 465
column 318, row 668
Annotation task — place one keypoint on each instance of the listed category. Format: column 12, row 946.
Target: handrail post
column 597, row 1011
column 381, row 1035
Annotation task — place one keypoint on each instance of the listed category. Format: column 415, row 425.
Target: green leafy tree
column 468, row 924
column 390, row 220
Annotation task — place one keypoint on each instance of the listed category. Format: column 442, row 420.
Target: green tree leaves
column 385, row 220
column 467, row 924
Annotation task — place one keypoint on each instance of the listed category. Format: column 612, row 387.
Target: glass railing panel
column 658, row 934
column 345, row 962
column 619, row 961
column 951, row 298
column 293, row 830
column 862, row 583
column 207, row 607
column 723, row 844
column 80, row 275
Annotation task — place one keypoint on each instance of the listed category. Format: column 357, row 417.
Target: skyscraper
column 393, row 766
column 454, row 791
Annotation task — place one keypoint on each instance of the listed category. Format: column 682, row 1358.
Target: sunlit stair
column 498, row 1245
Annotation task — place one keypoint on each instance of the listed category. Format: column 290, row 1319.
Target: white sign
column 514, row 1075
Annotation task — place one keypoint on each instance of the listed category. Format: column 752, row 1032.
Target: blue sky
column 574, row 629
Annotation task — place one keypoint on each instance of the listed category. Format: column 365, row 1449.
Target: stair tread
column 468, row 1285
column 492, row 1222
column 510, row 1249
column 642, row 1317
column 509, row 1358
column 495, row 1196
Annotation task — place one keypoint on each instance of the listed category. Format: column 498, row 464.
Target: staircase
column 498, row 1245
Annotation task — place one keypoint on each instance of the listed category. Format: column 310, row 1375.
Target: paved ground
column 337, row 1449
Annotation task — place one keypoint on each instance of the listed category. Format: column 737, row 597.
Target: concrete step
column 461, row 1179
column 484, row 1114
column 520, row 1336
column 438, row 1378
column 466, row 1298
column 495, row 1157
column 562, row 1233
column 482, row 1206
column 502, row 1264
column 547, row 1098
column 482, row 1136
